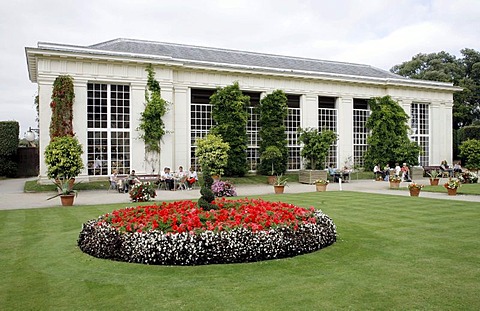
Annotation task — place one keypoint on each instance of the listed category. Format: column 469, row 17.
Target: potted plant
column 414, row 189
column 394, row 181
column 452, row 185
column 280, row 183
column 65, row 191
column 321, row 185
column 64, row 163
column 434, row 179
column 271, row 155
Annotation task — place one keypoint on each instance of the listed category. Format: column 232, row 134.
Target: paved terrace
column 13, row 197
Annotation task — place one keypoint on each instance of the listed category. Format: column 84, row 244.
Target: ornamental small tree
column 315, row 146
column 152, row 127
column 212, row 154
column 388, row 141
column 63, row 96
column 229, row 111
column 273, row 149
column 470, row 151
column 63, row 157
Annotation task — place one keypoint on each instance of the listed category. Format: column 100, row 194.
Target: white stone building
column 110, row 80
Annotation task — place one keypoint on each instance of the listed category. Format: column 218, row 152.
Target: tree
column 315, row 146
column 273, row 110
column 463, row 72
column 212, row 154
column 152, row 127
column 229, row 111
column 388, row 141
column 63, row 96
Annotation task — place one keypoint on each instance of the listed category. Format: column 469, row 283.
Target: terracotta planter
column 394, row 184
column 414, row 192
column 278, row 189
column 271, row 179
column 67, row 199
column 321, row 187
column 434, row 182
column 452, row 191
column 216, row 177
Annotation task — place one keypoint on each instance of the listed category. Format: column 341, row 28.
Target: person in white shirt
column 398, row 169
column 167, row 177
column 181, row 178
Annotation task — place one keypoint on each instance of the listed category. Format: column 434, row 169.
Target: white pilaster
column 345, row 129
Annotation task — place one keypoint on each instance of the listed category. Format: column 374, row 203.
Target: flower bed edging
column 101, row 240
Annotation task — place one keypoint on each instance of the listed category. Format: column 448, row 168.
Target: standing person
column 114, row 179
column 192, row 177
column 167, row 177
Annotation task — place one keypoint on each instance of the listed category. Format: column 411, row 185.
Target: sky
column 380, row 33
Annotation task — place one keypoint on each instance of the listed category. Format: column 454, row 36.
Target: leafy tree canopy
column 389, row 141
column 315, row 146
column 229, row 111
column 463, row 72
column 273, row 110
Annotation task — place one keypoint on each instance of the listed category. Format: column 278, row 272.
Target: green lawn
column 412, row 253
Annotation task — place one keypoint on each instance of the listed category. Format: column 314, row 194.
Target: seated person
column 386, row 172
column 445, row 168
column 191, row 177
column 132, row 179
column 167, row 177
column 332, row 172
column 181, row 177
column 405, row 173
column 398, row 169
column 345, row 173
column 379, row 174
column 457, row 168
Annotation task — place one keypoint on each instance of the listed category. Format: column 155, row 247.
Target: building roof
column 189, row 55
column 244, row 58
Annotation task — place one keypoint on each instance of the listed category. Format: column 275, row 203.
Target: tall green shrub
column 212, row 154
column 389, row 141
column 273, row 110
column 470, row 151
column 62, row 107
column 9, row 131
column 229, row 111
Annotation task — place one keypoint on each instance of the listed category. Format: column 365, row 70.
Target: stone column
column 345, row 130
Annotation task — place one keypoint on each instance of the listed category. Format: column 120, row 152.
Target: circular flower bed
column 180, row 233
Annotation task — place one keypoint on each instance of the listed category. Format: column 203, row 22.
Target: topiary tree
column 388, row 141
column 273, row 149
column 470, row 151
column 63, row 157
column 315, row 146
column 229, row 111
column 212, row 154
column 152, row 127
column 63, row 96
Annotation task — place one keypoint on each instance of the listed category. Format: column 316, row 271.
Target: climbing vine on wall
column 152, row 126
column 63, row 96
